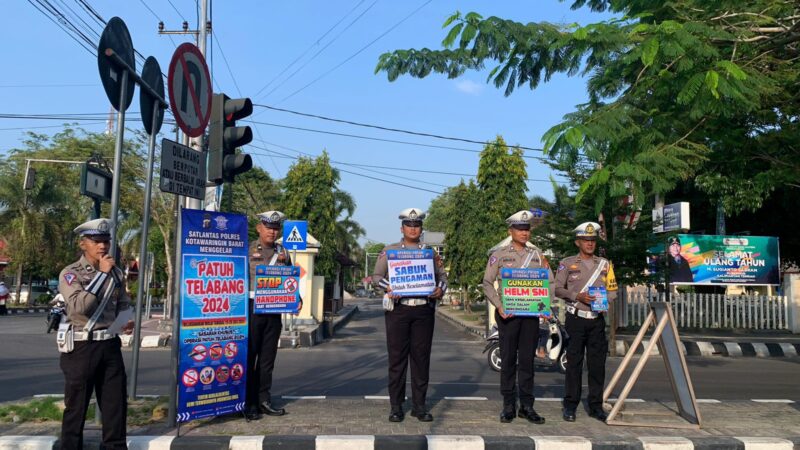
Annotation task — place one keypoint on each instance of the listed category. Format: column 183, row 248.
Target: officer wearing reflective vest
column 409, row 324
column 518, row 334
column 264, row 329
column 94, row 292
column 585, row 326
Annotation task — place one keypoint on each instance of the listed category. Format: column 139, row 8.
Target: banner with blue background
column 213, row 323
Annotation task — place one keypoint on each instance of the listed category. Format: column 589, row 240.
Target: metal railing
column 693, row 310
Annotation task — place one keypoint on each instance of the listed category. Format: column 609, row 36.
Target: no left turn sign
column 190, row 89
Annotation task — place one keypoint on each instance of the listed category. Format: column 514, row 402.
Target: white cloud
column 469, row 87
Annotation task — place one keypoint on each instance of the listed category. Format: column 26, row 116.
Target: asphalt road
column 353, row 364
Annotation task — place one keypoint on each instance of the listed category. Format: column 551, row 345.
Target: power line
column 369, row 138
column 314, row 56
column 356, row 53
column 402, row 169
column 363, row 175
column 49, row 126
column 396, row 130
column 157, row 18
column 177, row 11
column 62, row 26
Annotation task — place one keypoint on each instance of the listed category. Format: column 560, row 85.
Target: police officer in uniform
column 679, row 270
column 409, row 325
column 95, row 363
column 518, row 335
column 265, row 329
column 586, row 328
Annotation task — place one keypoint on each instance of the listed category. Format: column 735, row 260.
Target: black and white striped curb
column 723, row 348
column 430, row 442
column 15, row 311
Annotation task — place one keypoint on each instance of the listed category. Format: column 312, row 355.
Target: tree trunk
column 18, row 282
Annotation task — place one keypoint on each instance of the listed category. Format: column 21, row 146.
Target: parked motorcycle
column 556, row 347
column 56, row 311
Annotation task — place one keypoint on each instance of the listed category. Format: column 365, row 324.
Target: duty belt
column 413, row 301
column 581, row 313
column 99, row 335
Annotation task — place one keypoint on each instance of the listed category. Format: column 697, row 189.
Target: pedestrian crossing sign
column 295, row 234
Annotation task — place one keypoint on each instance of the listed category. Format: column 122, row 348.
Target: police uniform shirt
column 261, row 255
column 574, row 272
column 83, row 288
column 508, row 257
column 381, row 273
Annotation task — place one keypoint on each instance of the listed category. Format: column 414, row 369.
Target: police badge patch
column 561, row 267
column 492, row 260
column 69, row 278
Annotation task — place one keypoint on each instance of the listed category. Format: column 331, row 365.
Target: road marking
column 707, row 400
column 303, row 397
column 548, row 399
column 466, row 398
column 627, row 400
column 48, row 396
column 771, row 400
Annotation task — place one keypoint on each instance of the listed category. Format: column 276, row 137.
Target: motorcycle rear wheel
column 493, row 356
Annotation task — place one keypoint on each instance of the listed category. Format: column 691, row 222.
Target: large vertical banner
column 213, row 326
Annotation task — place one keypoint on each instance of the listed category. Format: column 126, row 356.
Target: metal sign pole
column 176, row 313
column 292, row 316
column 118, row 160
column 143, row 255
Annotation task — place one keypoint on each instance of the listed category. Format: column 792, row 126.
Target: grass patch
column 478, row 314
column 140, row 411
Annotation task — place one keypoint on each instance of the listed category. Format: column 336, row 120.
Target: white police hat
column 587, row 230
column 520, row 220
column 412, row 215
column 272, row 218
column 96, row 229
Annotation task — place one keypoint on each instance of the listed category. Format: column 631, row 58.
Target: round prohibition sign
column 189, row 89
column 222, row 374
column 231, row 349
column 237, row 371
column 190, row 378
column 290, row 285
column 199, row 352
column 215, row 351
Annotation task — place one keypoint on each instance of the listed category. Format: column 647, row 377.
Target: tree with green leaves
column 685, row 90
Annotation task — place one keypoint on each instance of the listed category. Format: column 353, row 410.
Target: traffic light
column 224, row 137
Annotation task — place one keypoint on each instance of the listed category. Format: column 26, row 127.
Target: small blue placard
column 295, row 234
column 600, row 302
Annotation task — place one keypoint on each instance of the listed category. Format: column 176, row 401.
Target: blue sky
column 47, row 72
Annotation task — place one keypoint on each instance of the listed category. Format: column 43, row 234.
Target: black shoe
column 266, row 408
column 508, row 414
column 252, row 414
column 569, row 414
column 422, row 416
column 396, row 416
column 527, row 412
column 598, row 414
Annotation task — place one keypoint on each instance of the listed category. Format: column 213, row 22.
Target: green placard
column 525, row 292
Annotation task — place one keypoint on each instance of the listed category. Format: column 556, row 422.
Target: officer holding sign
column 409, row 323
column 265, row 329
column 518, row 334
column 575, row 276
column 94, row 291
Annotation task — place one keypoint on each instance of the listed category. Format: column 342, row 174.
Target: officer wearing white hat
column 409, row 324
column 586, row 328
column 264, row 329
column 94, row 292
column 518, row 335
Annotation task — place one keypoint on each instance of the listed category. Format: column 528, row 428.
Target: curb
column 479, row 331
column 726, row 348
column 162, row 340
column 431, row 442
column 16, row 311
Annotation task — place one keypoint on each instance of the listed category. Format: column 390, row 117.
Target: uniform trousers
column 409, row 332
column 94, row 366
column 518, row 339
column 263, row 336
column 585, row 336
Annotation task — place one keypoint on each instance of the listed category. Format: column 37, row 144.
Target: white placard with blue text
column 411, row 272
column 295, row 234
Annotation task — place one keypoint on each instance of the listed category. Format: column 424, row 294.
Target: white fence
column 752, row 312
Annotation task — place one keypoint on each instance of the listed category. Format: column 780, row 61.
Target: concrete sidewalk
column 353, row 424
column 717, row 343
